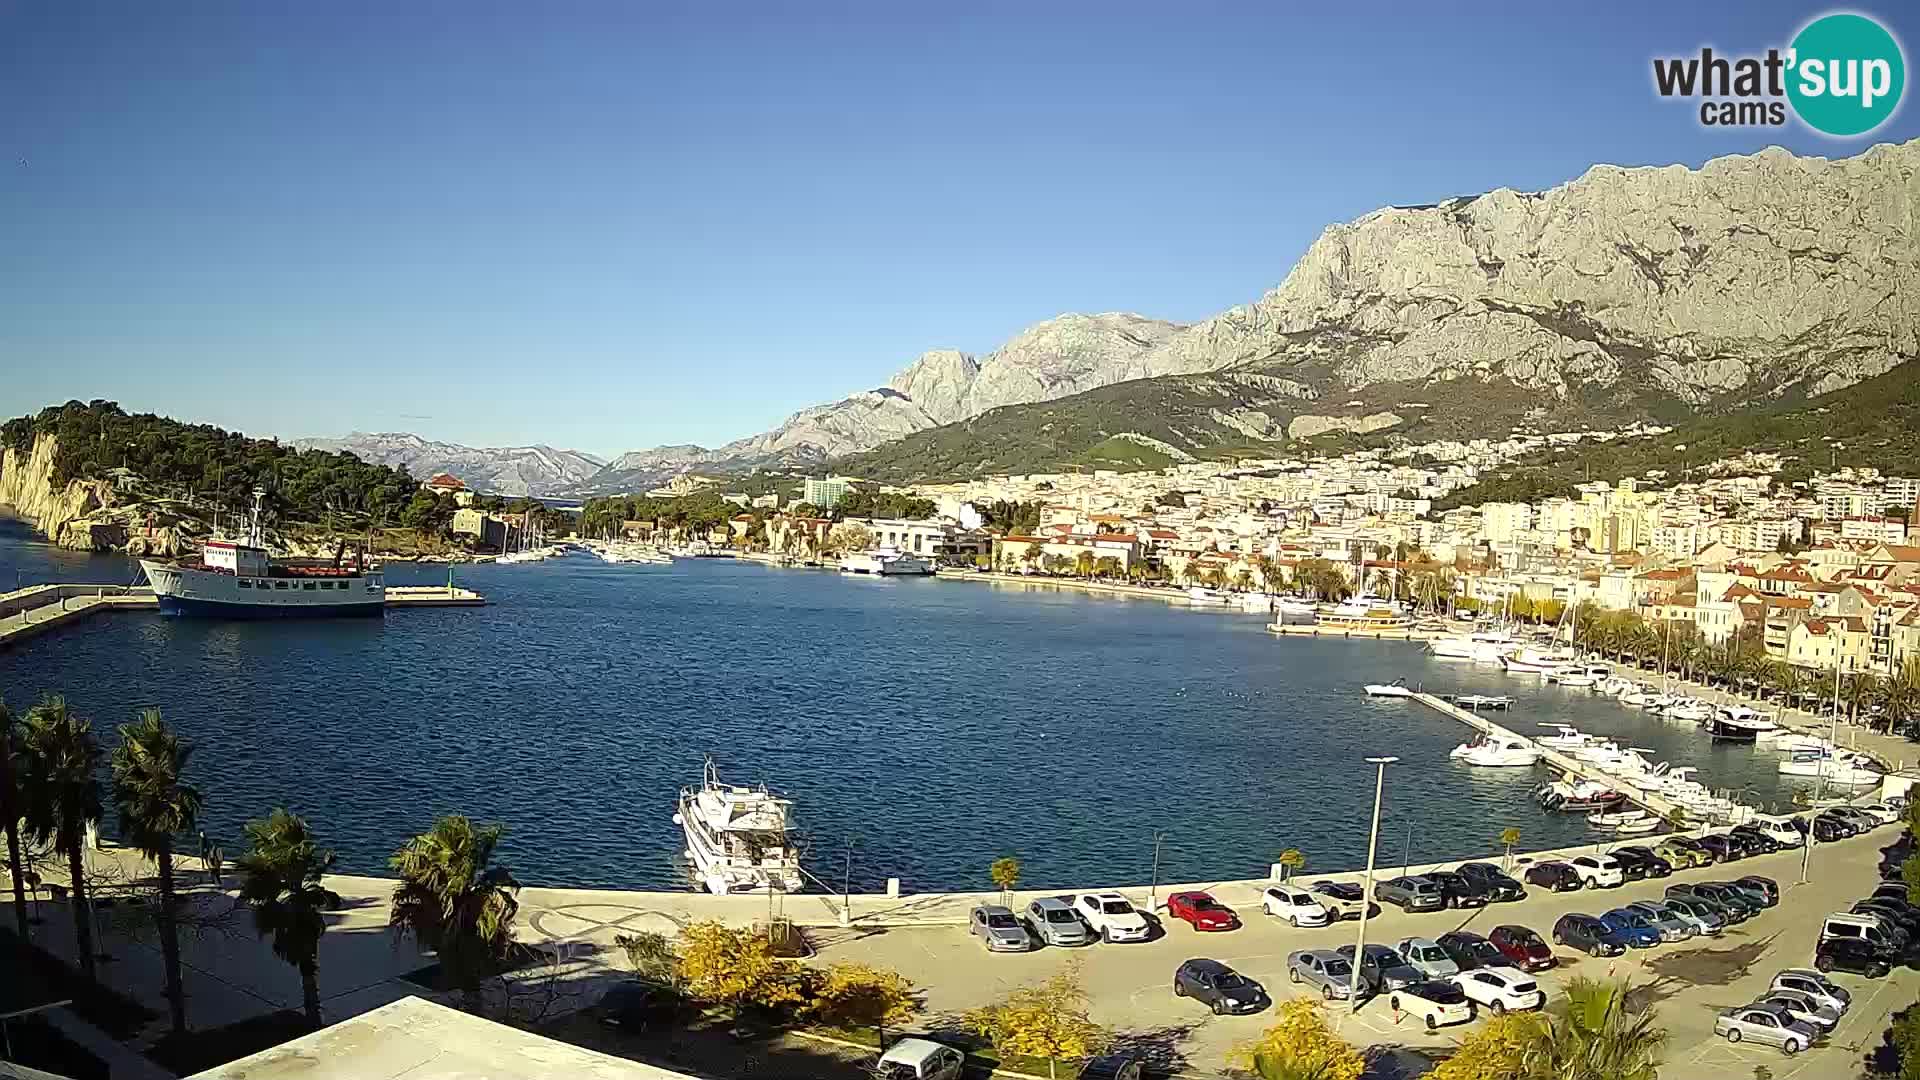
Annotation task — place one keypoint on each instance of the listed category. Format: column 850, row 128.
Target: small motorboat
column 1578, row 796
column 1842, row 767
column 1565, row 737
column 1618, row 817
column 1498, row 752
column 1632, row 826
column 1396, row 688
column 1737, row 723
column 1477, row 702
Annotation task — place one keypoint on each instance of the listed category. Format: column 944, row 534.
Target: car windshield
column 896, row 1070
column 1432, row 952
column 1057, row 915
column 1525, row 987
column 1444, row 993
column 1526, row 937
column 1200, row 903
column 1483, row 948
column 1232, row 980
column 1338, row 967
column 1002, row 920
column 1119, row 907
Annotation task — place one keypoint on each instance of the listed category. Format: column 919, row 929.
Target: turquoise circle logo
column 1847, row 74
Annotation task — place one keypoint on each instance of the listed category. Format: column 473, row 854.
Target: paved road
column 1688, row 982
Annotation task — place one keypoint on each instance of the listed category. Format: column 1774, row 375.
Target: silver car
column 1769, row 1024
column 1326, row 969
column 1425, row 956
column 1804, row 1008
column 1052, row 922
column 1672, row 924
column 997, row 929
column 1816, row 986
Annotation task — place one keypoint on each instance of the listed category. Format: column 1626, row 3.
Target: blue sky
column 609, row 226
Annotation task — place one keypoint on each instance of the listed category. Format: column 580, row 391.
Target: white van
column 920, row 1059
column 1850, row 926
column 1780, row 830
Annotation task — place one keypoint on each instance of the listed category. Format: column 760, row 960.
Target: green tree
column 60, row 794
column 855, row 996
column 10, row 812
column 653, row 958
column 1049, row 1021
column 157, row 804
column 1291, row 861
column 452, row 900
column 737, row 968
column 1083, row 564
column 1302, row 1046
column 1107, row 566
column 1598, row 1038
column 281, row 882
column 1005, row 873
column 1509, row 836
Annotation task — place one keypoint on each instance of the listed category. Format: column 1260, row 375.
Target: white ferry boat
column 886, row 562
column 239, row 579
column 737, row 837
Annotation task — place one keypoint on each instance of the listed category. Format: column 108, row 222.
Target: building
column 825, row 494
column 931, row 538
column 488, row 531
column 449, row 484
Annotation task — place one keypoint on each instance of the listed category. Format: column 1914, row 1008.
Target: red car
column 1202, row 910
column 1523, row 947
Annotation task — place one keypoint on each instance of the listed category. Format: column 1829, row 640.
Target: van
column 1848, row 926
column 1781, row 830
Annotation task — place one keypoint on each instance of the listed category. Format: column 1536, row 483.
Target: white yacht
column 737, row 837
column 1534, row 661
column 1843, row 767
column 1486, row 647
column 1396, row 688
column 1294, row 607
column 1584, row 676
column 1737, row 723
column 885, row 562
column 1503, row 751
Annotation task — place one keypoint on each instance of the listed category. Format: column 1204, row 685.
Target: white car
column 1886, row 815
column 1780, row 830
column 1297, row 906
column 1436, row 1003
column 920, row 1059
column 1597, row 871
column 1425, row 956
column 1111, row 916
column 1501, row 989
column 1814, row 985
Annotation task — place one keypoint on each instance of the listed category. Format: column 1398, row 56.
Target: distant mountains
column 509, row 470
column 1642, row 293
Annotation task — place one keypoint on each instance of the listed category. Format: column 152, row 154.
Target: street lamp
column 1366, row 897
column 1825, row 762
column 1153, row 891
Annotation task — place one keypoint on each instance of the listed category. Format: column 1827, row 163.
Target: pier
column 1402, row 633
column 25, row 613
column 1657, row 803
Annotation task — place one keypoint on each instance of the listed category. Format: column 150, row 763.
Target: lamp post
column 1820, row 783
column 1366, row 896
column 1153, row 891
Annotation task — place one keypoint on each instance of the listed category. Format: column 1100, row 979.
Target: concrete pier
column 1316, row 630
column 1649, row 800
column 25, row 613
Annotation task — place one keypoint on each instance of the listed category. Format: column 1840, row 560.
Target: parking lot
column 1688, row 982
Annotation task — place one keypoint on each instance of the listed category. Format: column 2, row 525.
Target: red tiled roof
column 1801, row 603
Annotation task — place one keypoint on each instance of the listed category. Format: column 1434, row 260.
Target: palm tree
column 10, row 818
column 155, row 806
column 280, row 879
column 1598, row 1039
column 59, row 795
column 453, row 902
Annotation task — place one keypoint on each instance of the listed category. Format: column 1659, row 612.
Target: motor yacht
column 1737, row 723
column 1499, row 751
column 737, row 837
column 1396, row 688
column 1578, row 675
column 1536, row 661
column 1842, row 767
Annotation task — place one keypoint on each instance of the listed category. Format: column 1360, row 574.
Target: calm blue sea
column 932, row 725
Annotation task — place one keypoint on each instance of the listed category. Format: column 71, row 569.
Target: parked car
column 997, row 929
column 1501, row 989
column 1755, row 896
column 1382, row 968
column 1052, row 922
column 1297, row 906
column 1327, row 970
column 1111, row 916
column 1201, row 911
column 1788, row 832
column 920, row 1059
column 1722, row 849
column 1672, row 925
column 1756, row 840
column 1882, row 812
column 636, row 1006
column 1459, row 891
column 1906, row 920
column 1857, row 955
column 1729, row 897
column 1821, row 1017
column 1863, row 821
column 1681, row 852
column 1522, row 947
column 1640, row 863
column 1766, row 887
column 1413, row 893
column 1219, row 987
column 1555, row 876
column 1871, row 927
column 1690, row 891
column 1598, row 871
column 1500, row 885
column 1632, row 927
column 1892, row 890
column 1343, row 899
column 1814, row 985
column 1427, row 957
column 1112, row 1067
column 1767, row 1024
column 1470, row 950
column 1436, row 1003
column 1827, row 829
column 1588, row 934
column 1709, row 917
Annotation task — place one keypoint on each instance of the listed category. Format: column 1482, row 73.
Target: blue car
column 1631, row 927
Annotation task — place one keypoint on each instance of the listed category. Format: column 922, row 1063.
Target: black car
column 1768, row 888
column 1906, row 918
column 1219, row 987
column 1111, row 1067
column 1588, row 934
column 1557, row 876
column 1653, row 865
column 1758, row 843
column 1729, row 897
column 1893, row 890
column 1412, row 893
column 1837, row 823
column 637, row 1006
column 1721, row 847
column 1727, row 911
column 1499, row 885
column 1827, row 829
column 1471, row 951
column 1458, row 891
column 1853, row 954
column 1631, row 869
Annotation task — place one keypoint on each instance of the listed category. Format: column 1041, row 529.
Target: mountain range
column 1627, row 293
column 503, row 470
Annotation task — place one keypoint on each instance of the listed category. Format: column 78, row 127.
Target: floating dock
column 1659, row 804
column 432, row 596
column 36, row 609
column 1405, row 633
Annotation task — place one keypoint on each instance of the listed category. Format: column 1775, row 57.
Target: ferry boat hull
column 193, row 608
column 196, row 593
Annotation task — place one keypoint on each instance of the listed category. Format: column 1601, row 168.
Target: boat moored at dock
column 238, row 578
column 886, row 562
column 737, row 837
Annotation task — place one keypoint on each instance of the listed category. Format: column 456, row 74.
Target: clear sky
column 613, row 225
